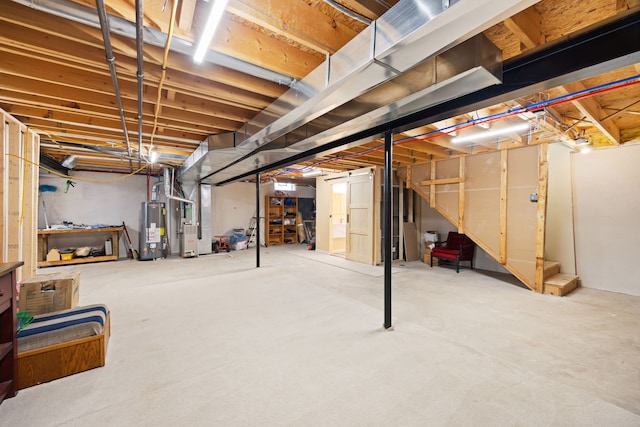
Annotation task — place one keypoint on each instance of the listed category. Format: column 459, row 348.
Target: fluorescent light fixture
column 490, row 134
column 312, row 172
column 209, row 29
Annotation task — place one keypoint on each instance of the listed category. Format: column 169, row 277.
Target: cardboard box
column 45, row 293
column 426, row 258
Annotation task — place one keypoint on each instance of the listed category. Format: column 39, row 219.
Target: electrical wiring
column 165, row 57
column 573, row 96
column 119, row 178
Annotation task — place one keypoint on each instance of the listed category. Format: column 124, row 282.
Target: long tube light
column 215, row 14
column 312, row 172
column 491, row 133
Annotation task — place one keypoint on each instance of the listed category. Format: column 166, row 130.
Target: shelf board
column 79, row 260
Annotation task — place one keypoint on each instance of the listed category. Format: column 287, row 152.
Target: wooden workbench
column 43, row 245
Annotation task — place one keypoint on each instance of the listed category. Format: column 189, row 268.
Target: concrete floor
column 213, row 341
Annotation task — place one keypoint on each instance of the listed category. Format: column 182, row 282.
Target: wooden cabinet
column 8, row 329
column 280, row 216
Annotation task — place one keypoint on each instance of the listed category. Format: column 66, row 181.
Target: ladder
column 251, row 231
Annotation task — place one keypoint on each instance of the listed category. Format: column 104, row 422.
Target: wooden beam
column 432, row 186
column 89, row 80
column 191, row 111
column 29, row 214
column 296, row 21
column 51, row 119
column 4, row 187
column 502, row 256
column 441, row 181
column 187, row 9
column 526, row 26
column 370, row 9
column 439, row 141
column 593, row 111
column 69, row 45
column 112, row 121
column 254, row 47
column 113, row 133
column 541, row 215
column 622, row 5
column 14, row 199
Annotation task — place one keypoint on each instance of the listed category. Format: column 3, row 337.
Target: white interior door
column 360, row 218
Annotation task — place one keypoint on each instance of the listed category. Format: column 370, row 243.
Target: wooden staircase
column 556, row 283
column 486, row 196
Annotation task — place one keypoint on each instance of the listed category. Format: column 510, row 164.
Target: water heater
column 153, row 236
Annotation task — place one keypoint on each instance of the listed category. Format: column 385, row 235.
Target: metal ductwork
column 168, row 193
column 411, row 58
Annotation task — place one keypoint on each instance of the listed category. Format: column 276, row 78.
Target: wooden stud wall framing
column 4, row 186
column 432, row 187
column 541, row 215
column 495, row 191
column 20, row 153
column 29, row 217
column 14, row 203
column 413, row 175
column 502, row 258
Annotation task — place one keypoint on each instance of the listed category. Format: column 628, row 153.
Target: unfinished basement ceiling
column 54, row 78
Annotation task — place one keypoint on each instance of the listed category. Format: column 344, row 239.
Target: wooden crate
column 64, row 359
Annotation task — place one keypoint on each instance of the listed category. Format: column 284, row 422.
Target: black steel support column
column 257, row 220
column 257, row 226
column 388, row 238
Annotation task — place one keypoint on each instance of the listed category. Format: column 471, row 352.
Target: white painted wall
column 431, row 219
column 559, row 239
column 607, row 218
column 90, row 202
column 234, row 204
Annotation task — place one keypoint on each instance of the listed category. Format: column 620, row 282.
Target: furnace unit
column 189, row 241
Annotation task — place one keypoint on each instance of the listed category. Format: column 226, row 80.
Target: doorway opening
column 338, row 215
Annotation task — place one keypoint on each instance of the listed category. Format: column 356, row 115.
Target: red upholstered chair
column 458, row 247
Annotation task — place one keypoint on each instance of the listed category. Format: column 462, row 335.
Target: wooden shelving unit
column 8, row 330
column 43, row 245
column 281, row 227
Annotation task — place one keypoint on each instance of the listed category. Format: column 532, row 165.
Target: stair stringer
column 417, row 175
column 484, row 247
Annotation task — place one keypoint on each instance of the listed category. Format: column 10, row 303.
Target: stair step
column 560, row 284
column 551, row 268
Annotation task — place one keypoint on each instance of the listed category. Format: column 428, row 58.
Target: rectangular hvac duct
column 407, row 37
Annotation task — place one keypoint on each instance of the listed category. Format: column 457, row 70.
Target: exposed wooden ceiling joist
column 54, row 77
